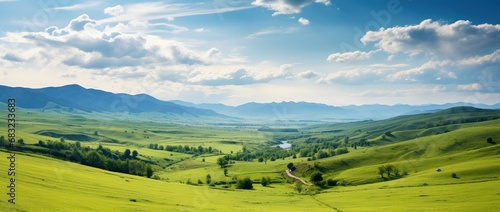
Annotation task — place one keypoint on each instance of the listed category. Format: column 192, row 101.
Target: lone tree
column 149, row 171
column 316, row 178
column 225, row 172
column 209, row 179
column 134, row 154
column 289, row 166
column 222, row 162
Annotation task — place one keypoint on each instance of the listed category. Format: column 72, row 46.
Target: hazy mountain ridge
column 315, row 111
column 92, row 100
column 75, row 97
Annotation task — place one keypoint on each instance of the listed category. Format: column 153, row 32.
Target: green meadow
column 447, row 161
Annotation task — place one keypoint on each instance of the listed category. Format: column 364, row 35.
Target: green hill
column 448, row 160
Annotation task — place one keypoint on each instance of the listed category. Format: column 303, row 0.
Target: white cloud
column 287, row 6
column 78, row 6
column 477, row 60
column 216, row 76
column 303, row 21
column 457, row 40
column 162, row 10
column 375, row 73
column 200, row 30
column 470, row 87
column 351, row 56
column 308, row 74
column 114, row 11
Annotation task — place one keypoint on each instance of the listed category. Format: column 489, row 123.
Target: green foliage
column 134, row 153
column 265, row 181
column 289, row 165
column 222, row 162
column 316, row 177
column 208, row 179
column 245, row 183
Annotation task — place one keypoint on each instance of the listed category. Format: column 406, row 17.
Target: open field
column 418, row 152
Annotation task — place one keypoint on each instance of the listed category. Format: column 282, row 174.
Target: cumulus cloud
column 375, row 73
column 114, row 11
column 287, row 6
column 456, row 40
column 238, row 76
column 303, row 21
column 308, row 74
column 87, row 44
column 350, row 56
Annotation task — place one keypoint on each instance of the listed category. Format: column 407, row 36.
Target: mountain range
column 76, row 98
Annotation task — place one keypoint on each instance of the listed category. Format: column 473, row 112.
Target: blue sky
column 338, row 52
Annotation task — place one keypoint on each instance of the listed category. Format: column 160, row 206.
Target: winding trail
column 295, row 177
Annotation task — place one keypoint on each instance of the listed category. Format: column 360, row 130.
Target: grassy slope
column 61, row 185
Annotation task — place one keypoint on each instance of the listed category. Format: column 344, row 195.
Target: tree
column 316, row 178
column 222, row 162
column 126, row 154
column 245, row 183
column 388, row 170
column 78, row 144
column 149, row 171
column 265, row 181
column 381, row 171
column 289, row 166
column 96, row 133
column 225, row 172
column 209, row 179
column 21, row 141
column 134, row 153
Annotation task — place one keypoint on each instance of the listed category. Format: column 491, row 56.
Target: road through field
column 295, row 177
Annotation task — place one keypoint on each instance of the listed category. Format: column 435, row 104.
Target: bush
column 245, row 183
column 265, row 181
column 331, row 182
column 316, row 178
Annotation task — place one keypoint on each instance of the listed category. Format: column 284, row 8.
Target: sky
column 336, row 52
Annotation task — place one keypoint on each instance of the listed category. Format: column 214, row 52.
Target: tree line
column 185, row 149
column 103, row 158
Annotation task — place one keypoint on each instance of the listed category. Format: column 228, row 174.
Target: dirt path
column 295, row 177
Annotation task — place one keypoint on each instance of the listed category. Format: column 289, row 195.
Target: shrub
column 316, row 178
column 331, row 182
column 245, row 183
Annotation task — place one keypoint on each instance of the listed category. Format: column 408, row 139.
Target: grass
column 414, row 146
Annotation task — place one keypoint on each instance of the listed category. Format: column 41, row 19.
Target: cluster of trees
column 103, row 158
column 185, row 149
column 262, row 155
column 245, row 183
column 388, row 170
